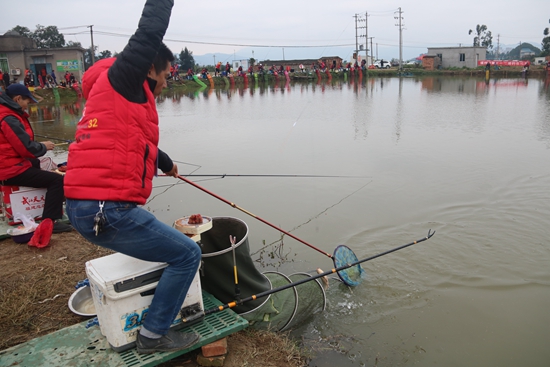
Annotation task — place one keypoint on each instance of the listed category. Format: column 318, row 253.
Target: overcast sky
column 228, row 27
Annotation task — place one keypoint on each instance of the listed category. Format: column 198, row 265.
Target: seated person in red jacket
column 19, row 164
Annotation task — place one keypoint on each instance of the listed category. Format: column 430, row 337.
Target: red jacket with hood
column 17, row 145
column 115, row 153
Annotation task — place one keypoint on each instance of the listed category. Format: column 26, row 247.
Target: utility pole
column 359, row 19
column 92, row 37
column 400, row 24
column 367, row 37
column 356, row 37
column 214, row 60
column 371, row 49
column 498, row 46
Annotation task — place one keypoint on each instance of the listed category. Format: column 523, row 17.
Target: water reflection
column 464, row 85
column 57, row 113
column 391, row 99
column 57, row 120
column 53, row 116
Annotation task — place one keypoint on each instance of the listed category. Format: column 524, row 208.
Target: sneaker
column 170, row 342
column 59, row 227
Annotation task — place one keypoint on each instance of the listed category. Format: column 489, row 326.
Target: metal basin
column 81, row 302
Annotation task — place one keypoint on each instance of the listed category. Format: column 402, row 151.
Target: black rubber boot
column 59, row 227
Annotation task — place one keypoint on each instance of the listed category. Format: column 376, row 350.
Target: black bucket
column 217, row 276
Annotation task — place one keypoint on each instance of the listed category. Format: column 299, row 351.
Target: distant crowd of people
column 43, row 80
column 48, row 81
column 225, row 70
column 322, row 66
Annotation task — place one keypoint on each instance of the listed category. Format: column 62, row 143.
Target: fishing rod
column 254, row 216
column 332, row 271
column 49, row 137
column 222, row 175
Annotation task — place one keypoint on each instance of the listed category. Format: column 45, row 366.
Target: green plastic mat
column 78, row 346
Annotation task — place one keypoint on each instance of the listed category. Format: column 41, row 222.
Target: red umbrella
column 42, row 234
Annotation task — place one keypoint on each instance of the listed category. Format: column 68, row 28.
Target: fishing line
column 301, row 113
column 314, row 217
column 179, row 183
column 324, row 49
column 293, row 126
column 187, row 163
column 174, row 184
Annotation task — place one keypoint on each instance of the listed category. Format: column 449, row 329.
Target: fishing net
column 279, row 309
column 311, row 298
column 344, row 256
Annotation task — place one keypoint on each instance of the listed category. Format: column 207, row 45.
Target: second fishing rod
column 337, row 270
column 53, row 138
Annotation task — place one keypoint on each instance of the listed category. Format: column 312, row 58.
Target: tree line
column 50, row 37
column 484, row 38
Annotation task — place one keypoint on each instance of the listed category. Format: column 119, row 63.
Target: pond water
column 460, row 156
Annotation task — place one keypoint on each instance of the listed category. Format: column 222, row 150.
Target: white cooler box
column 122, row 290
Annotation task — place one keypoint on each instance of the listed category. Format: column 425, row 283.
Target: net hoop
column 294, row 277
column 344, row 256
column 277, row 276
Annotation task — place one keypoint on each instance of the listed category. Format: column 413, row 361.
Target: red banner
column 504, row 62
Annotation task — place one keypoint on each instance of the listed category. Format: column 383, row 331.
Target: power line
column 76, row 26
column 257, row 45
column 72, row 34
column 222, row 43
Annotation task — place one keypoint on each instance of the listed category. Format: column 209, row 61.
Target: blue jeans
column 135, row 232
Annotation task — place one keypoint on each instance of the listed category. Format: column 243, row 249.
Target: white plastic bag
column 29, row 225
column 47, row 164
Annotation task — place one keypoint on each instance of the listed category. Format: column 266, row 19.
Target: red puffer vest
column 11, row 162
column 114, row 156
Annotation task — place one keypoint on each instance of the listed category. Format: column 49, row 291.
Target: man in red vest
column 19, row 164
column 111, row 167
